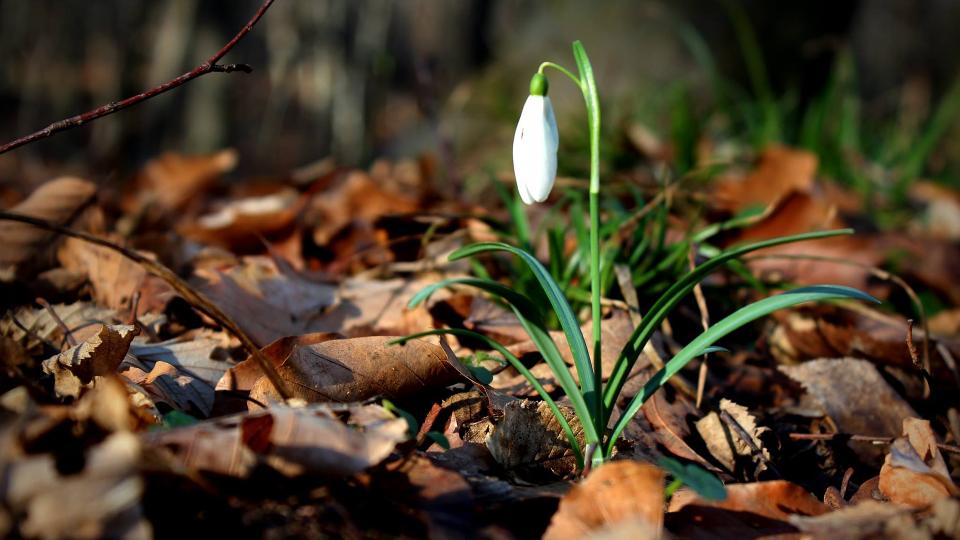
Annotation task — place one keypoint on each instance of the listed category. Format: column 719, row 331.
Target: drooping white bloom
column 535, row 149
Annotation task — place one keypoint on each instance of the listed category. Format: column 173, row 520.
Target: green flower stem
column 588, row 86
column 561, row 69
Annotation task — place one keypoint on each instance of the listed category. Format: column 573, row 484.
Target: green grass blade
column 568, row 322
column 522, row 369
column 732, row 322
column 669, row 299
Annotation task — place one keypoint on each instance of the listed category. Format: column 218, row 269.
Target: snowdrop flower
column 535, row 144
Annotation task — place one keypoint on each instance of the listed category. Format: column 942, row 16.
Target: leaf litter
column 124, row 408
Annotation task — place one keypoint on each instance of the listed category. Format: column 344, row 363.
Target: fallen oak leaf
column 99, row 355
column 353, row 369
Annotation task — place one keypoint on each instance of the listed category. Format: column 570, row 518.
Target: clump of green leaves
column 593, row 401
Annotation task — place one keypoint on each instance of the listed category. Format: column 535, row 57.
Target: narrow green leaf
column 558, row 302
column 696, row 477
column 669, row 299
column 732, row 322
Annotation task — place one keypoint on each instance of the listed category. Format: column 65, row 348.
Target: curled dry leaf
column 856, row 397
column 914, row 473
column 292, row 440
column 620, row 493
column 725, row 442
column 529, row 441
column 354, row 369
column 98, row 355
column 58, row 201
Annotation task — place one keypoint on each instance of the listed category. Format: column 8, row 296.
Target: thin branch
column 196, row 299
column 861, row 438
column 210, row 66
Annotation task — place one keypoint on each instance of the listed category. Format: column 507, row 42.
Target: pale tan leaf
column 98, row 355
column 614, row 494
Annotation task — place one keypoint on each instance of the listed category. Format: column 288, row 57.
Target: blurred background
column 869, row 87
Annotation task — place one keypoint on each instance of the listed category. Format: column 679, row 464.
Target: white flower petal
column 535, row 150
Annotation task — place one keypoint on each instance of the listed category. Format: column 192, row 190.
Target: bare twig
column 705, row 323
column 196, row 299
column 210, row 66
column 861, row 438
column 67, row 334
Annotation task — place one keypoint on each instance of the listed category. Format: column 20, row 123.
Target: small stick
column 845, row 482
column 67, row 334
column 861, row 438
column 210, row 66
column 705, row 322
column 196, row 299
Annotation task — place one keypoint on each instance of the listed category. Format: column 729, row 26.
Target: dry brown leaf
column 359, row 197
column 612, row 495
column 758, row 509
column 725, row 442
column 172, row 180
column 293, row 440
column 855, row 396
column 354, row 369
column 197, row 357
column 113, row 277
column 167, row 384
column 800, row 213
column 671, row 423
column 99, row 355
column 32, row 327
column 914, row 473
column 58, row 201
column 779, row 171
column 529, row 440
column 242, row 224
column 832, row 331
column 268, row 299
